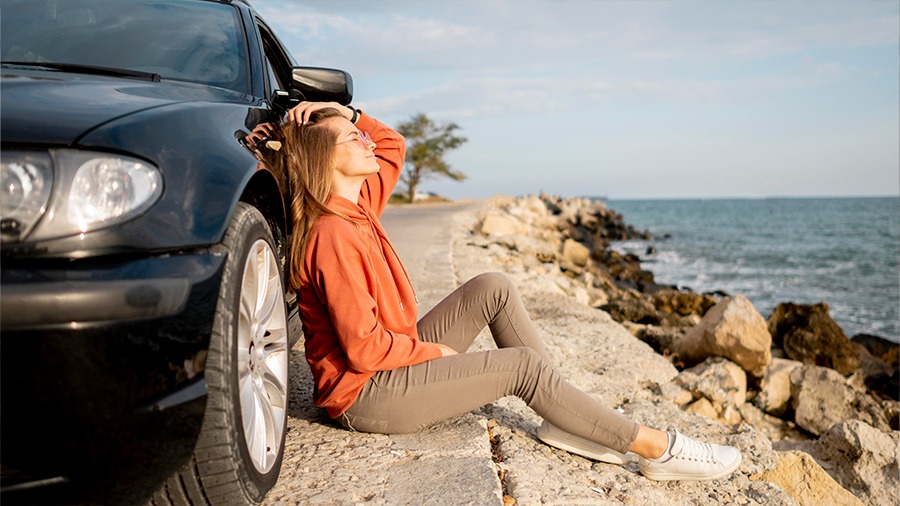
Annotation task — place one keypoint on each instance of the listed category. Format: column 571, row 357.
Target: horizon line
column 743, row 197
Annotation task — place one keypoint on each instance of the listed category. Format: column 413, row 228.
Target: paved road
column 422, row 236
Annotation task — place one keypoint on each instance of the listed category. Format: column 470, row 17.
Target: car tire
column 241, row 444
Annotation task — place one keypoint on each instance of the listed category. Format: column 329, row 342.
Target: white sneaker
column 692, row 460
column 561, row 439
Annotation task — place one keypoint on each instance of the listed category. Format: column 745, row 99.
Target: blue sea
column 843, row 251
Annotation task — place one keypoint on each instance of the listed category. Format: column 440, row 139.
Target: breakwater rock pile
column 815, row 413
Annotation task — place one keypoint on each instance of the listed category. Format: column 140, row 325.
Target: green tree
column 426, row 143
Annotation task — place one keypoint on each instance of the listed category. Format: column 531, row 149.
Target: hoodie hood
column 367, row 219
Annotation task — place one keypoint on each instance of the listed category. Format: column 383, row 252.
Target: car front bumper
column 102, row 370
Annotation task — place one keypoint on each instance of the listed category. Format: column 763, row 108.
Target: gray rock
column 675, row 393
column 775, row 393
column 822, row 398
column 863, row 459
column 722, row 382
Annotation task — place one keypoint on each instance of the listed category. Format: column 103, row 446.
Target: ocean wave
column 840, row 251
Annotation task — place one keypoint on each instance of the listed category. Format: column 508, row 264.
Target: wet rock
column 683, row 303
column 808, row 334
column 806, row 482
column 878, row 377
column 633, row 310
column 863, row 460
column 775, row 393
column 624, row 269
column 732, row 329
column 821, row 398
column 880, row 348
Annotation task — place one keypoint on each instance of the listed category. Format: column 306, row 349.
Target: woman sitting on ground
column 376, row 368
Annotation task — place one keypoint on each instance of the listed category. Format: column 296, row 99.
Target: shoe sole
column 690, row 477
column 611, row 457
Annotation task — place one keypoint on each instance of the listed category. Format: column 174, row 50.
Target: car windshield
column 185, row 40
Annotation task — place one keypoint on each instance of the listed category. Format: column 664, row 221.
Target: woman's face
column 354, row 152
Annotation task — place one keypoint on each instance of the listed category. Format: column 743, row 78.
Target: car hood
column 49, row 107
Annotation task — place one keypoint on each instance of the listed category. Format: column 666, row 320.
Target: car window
column 278, row 62
column 275, row 83
column 194, row 41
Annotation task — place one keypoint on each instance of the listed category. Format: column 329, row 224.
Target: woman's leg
column 410, row 398
column 486, row 300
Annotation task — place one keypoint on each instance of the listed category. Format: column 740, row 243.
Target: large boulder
column 862, row 459
column 808, row 334
column 732, row 329
column 496, row 224
column 575, row 252
column 822, row 398
column 774, row 395
column 806, row 482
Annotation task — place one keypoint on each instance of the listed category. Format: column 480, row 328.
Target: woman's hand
column 446, row 351
column 300, row 114
column 262, row 132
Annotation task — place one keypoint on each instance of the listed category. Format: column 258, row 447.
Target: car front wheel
column 239, row 451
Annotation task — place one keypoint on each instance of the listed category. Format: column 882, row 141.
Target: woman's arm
column 390, row 150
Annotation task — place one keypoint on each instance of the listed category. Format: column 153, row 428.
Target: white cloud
column 709, row 70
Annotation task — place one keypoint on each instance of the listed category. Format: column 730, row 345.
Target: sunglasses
column 363, row 139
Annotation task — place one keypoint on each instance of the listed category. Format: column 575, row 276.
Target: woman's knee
column 531, row 372
column 495, row 284
column 529, row 360
column 492, row 280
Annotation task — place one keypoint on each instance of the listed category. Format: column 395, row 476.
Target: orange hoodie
column 356, row 302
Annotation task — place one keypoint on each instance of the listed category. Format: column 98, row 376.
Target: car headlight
column 91, row 191
column 25, row 183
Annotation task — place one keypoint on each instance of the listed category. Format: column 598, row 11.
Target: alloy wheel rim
column 262, row 356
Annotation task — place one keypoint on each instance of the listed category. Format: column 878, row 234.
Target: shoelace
column 692, row 449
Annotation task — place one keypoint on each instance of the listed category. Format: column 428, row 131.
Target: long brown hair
column 307, row 155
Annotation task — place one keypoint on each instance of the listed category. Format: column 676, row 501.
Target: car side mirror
column 321, row 85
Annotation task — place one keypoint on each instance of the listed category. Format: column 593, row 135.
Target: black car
column 145, row 329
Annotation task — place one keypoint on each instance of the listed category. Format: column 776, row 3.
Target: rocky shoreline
column 826, row 404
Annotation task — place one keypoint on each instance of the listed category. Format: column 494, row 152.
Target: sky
column 627, row 99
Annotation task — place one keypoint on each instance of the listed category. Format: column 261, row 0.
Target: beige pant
column 410, row 398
